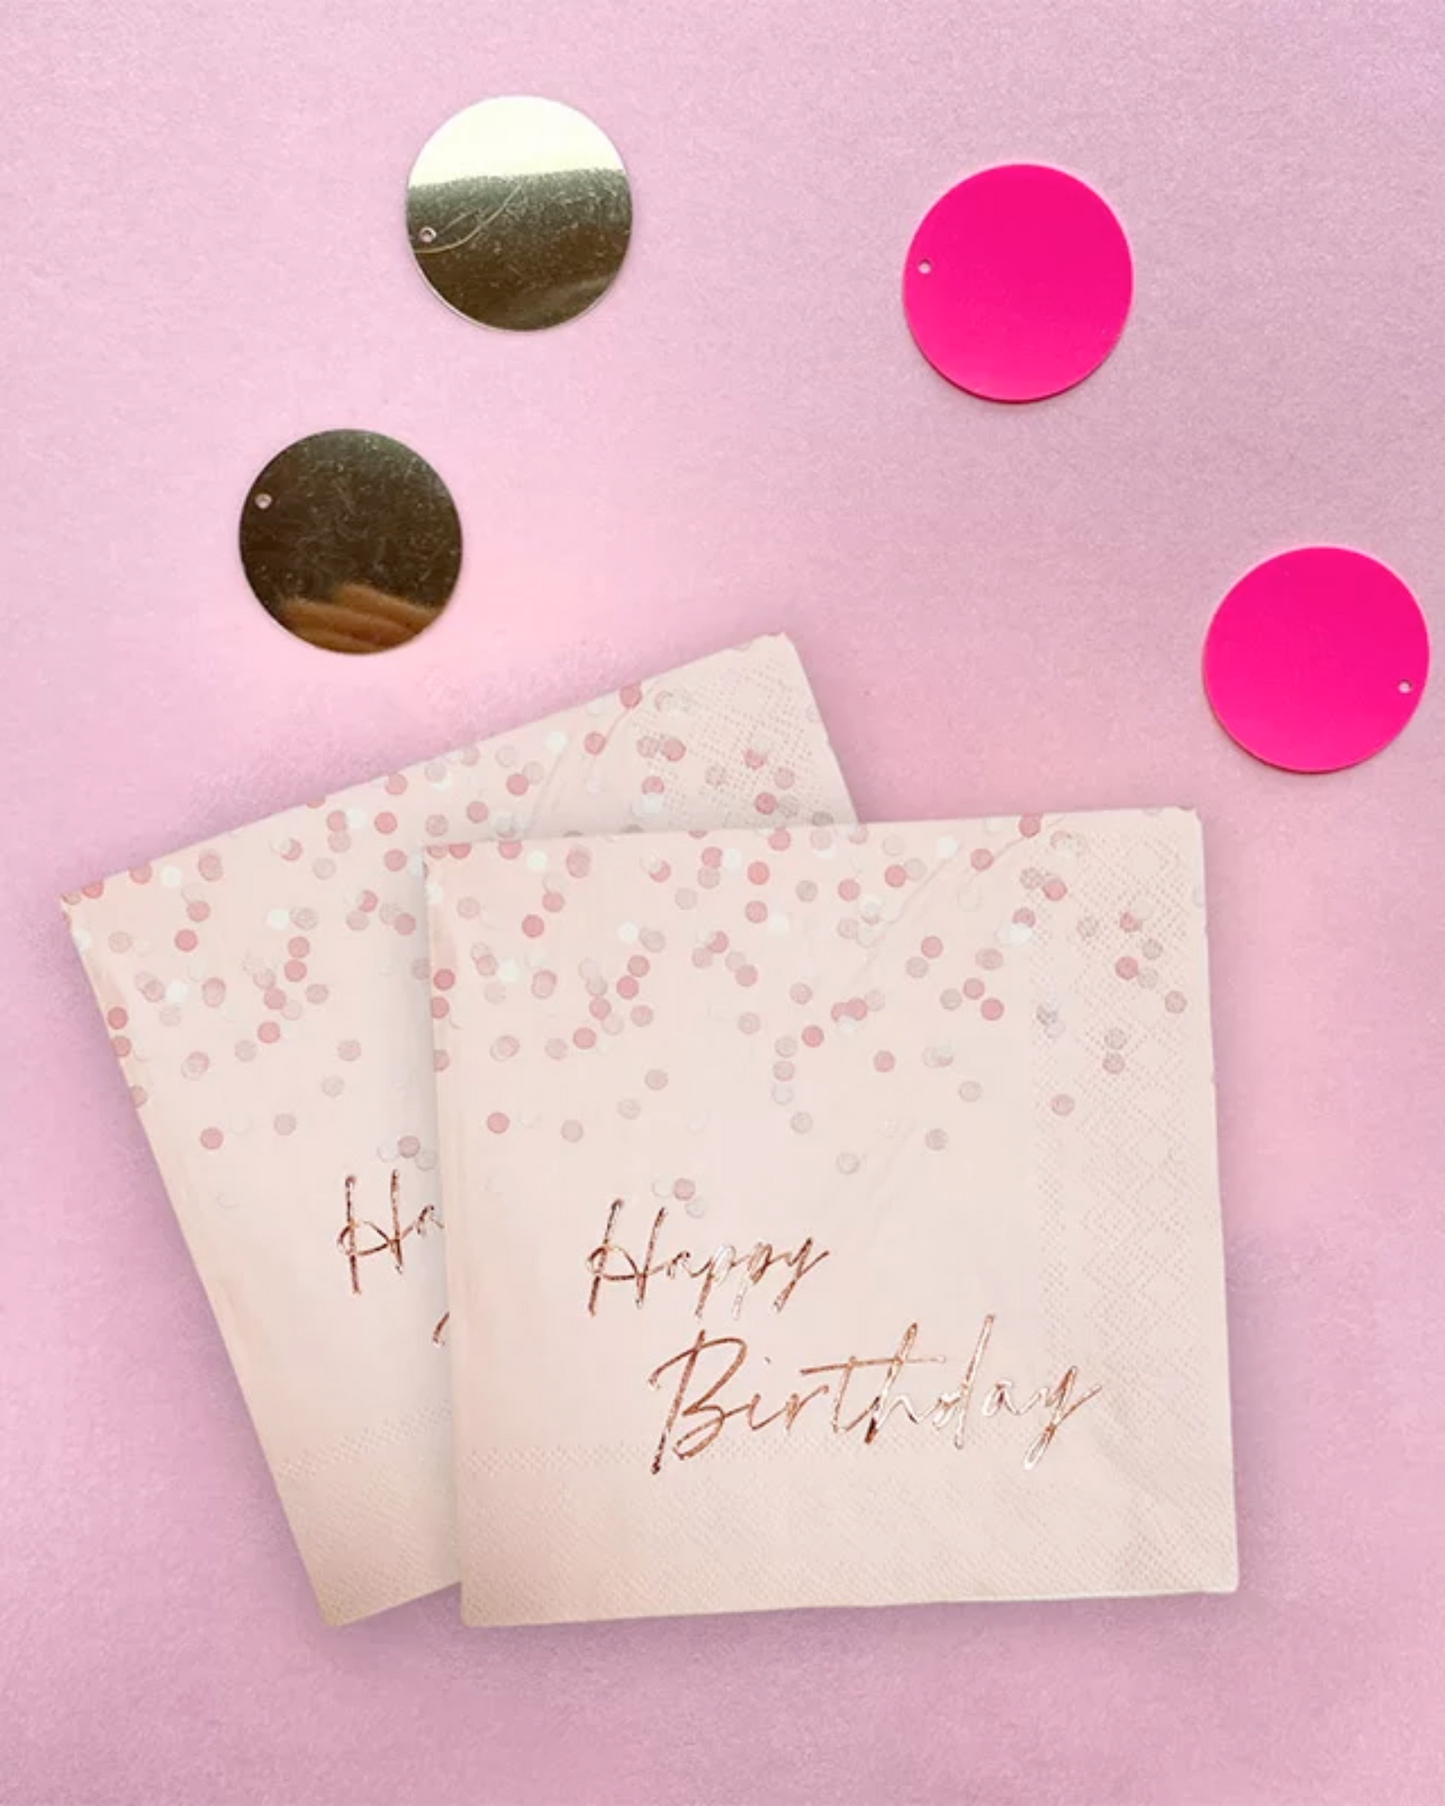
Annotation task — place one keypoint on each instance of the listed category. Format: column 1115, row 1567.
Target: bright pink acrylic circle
column 1018, row 283
column 1316, row 659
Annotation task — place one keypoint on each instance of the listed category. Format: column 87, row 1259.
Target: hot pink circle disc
column 1316, row 659
column 1018, row 283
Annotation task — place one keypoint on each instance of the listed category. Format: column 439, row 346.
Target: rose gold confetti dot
column 198, row 912
column 801, row 993
column 936, row 1139
column 765, row 802
column 295, row 970
column 895, row 877
column 119, row 942
column 599, row 1009
column 849, row 890
column 498, row 1123
column 653, row 786
column 211, row 1139
column 440, row 1059
column 848, row 1163
column 1174, row 1002
column 639, row 965
column 141, row 874
column 989, row 958
column 138, row 1095
column 807, row 891
column 122, row 1046
column 783, row 1069
column 1151, row 949
column 584, row 1037
column 931, row 947
column 747, row 975
column 970, row 1091
column 1127, row 967
column 187, row 940
column 1149, row 979
column 284, row 1124
column 408, row 1147
column 210, row 867
column 629, row 1109
column 1113, row 1063
column 405, row 924
column 571, row 1130
column 653, row 940
column 171, row 1015
column 883, row 1061
column 1062, row 1105
column 749, row 1023
column 275, row 999
column 117, row 1018
column 641, row 1015
column 656, row 1080
column 246, row 1050
column 990, row 1009
column 1055, row 889
column 916, row 966
column 348, row 1050
column 780, row 840
column 802, row 1123
column 439, row 1008
column 756, row 911
column 980, row 859
column 269, row 1032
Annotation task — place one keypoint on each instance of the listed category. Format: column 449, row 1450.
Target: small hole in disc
column 263, row 500
column 925, row 268
column 1406, row 686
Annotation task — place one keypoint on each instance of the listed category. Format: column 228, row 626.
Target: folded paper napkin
column 832, row 1217
column 268, row 1001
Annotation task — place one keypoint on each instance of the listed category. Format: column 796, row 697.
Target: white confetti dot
column 171, row 877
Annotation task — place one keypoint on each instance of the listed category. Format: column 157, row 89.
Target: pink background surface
column 1000, row 608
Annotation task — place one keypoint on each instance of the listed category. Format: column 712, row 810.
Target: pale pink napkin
column 267, row 996
column 936, row 1094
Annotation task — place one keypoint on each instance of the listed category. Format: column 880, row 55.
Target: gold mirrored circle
column 351, row 541
column 519, row 212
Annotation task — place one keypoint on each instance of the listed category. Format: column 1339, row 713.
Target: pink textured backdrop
column 1000, row 608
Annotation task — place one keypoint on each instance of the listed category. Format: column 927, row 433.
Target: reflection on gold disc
column 519, row 212
column 351, row 541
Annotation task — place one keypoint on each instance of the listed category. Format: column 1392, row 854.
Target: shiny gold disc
column 351, row 541
column 519, row 212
